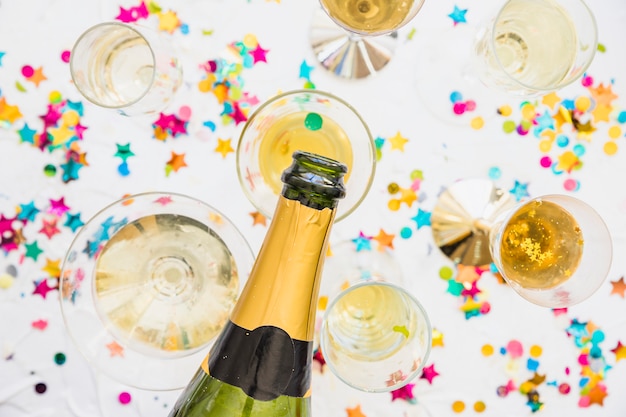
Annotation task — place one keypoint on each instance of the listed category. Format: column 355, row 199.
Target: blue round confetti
column 123, row 169
column 248, row 61
column 406, row 233
column 621, row 117
column 456, row 97
column 595, row 351
column 578, row 149
column 184, row 29
column 562, row 141
column 495, row 173
column 597, row 337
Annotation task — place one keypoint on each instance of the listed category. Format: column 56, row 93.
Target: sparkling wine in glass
column 148, row 283
column 553, row 250
column 304, row 120
column 375, row 335
column 125, row 67
column 348, row 44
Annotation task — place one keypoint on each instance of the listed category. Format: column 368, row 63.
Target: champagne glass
column 529, row 48
column 375, row 335
column 553, row 250
column 147, row 284
column 357, row 38
column 126, row 67
column 306, row 120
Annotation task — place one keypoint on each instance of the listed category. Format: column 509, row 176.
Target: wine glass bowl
column 306, row 120
column 553, row 250
column 375, row 335
column 125, row 67
column 147, row 284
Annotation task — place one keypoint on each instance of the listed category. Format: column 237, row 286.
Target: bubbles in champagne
column 165, row 283
column 369, row 16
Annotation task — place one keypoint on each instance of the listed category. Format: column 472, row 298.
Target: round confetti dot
column 470, row 105
column 456, row 97
column 458, row 406
column 545, row 162
column 406, row 233
column 459, row 108
column 55, row 97
column 205, row 85
column 6, row 281
column 571, row 184
column 586, row 81
column 610, row 148
column 509, row 126
column 417, row 174
column 322, row 302
column 535, row 351
column 597, row 337
column 528, row 111
column 584, row 401
column 28, row 71
column 545, row 146
column 505, row 110
column 184, row 29
column 394, row 204
column 59, row 358
column 562, row 141
column 487, row 350
column 250, row 40
column 564, row 388
column 477, row 123
column 515, row 349
column 521, row 131
column 479, row 406
column 184, row 113
column 65, row 56
column 40, row 388
column 502, row 391
column 621, row 117
column 494, row 173
column 393, row 188
column 579, row 150
column 415, row 185
column 50, row 170
column 446, row 272
column 70, row 118
column 123, row 169
column 11, row 270
column 555, row 169
column 235, row 93
column 313, row 121
column 124, row 398
column 615, row 132
column 582, row 103
column 485, row 308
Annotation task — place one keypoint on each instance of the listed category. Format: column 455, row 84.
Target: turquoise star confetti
column 2, row 54
column 519, row 190
column 73, row 221
column 422, row 218
column 28, row 212
column 458, row 15
column 27, row 134
column 362, row 242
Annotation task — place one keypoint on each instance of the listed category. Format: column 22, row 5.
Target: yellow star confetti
column 398, row 141
column 168, row 21
column 223, row 147
column 551, row 100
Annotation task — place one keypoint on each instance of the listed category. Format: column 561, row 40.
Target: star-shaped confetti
column 258, row 218
column 422, row 218
column 224, row 147
column 429, row 373
column 458, row 15
column 362, row 242
column 398, row 141
column 33, row 250
column 355, row 411
column 384, row 239
column 404, row 393
column 176, row 162
column 115, row 349
column 42, row 288
column 618, row 287
column 619, row 351
column 519, row 190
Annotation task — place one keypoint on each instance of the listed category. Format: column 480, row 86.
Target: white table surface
column 36, row 32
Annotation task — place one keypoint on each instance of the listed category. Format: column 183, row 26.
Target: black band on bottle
column 265, row 363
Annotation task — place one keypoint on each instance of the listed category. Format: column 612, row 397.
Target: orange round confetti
column 615, row 132
column 458, row 406
column 610, row 148
column 477, row 122
column 394, row 204
column 535, row 351
column 479, row 406
column 486, row 350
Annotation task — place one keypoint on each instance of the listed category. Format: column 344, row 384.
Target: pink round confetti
column 184, row 113
column 415, row 185
column 587, row 81
column 485, row 308
column 567, row 371
column 583, row 359
column 470, row 105
column 124, row 398
column 564, row 388
column 65, row 56
column 459, row 108
column 27, row 71
column 515, row 349
column 571, row 184
column 584, row 401
column 546, row 162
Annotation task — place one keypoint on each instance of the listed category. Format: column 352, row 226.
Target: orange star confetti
column 384, row 239
column 398, row 141
column 8, row 112
column 597, row 395
column 176, row 162
column 258, row 218
column 355, row 412
column 603, row 95
column 619, row 287
column 224, row 147
column 115, row 349
column 619, row 351
column 37, row 77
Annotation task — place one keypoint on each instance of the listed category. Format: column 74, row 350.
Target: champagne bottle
column 260, row 364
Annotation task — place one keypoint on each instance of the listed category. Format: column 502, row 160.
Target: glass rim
column 133, row 27
column 545, row 90
column 413, row 299
column 255, row 114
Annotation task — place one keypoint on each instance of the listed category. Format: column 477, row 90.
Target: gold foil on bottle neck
column 283, row 285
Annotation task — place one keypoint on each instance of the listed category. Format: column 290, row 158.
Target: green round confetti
column 509, row 126
column 446, row 273
column 50, row 170
column 59, row 358
column 313, row 121
column 526, row 124
column 417, row 174
column 406, row 233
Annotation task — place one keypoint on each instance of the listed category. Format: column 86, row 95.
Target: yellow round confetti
column 55, row 97
column 70, row 118
column 535, row 351
column 322, row 302
column 545, row 145
column 205, row 86
column 458, row 406
column 526, row 386
column 505, row 110
column 6, row 281
column 528, row 111
column 393, row 188
column 486, row 350
column 610, row 148
column 479, row 406
column 250, row 40
column 477, row 123
column 615, row 132
column 394, row 204
column 582, row 103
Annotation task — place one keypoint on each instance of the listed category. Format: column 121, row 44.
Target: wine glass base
column 463, row 216
column 349, row 55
